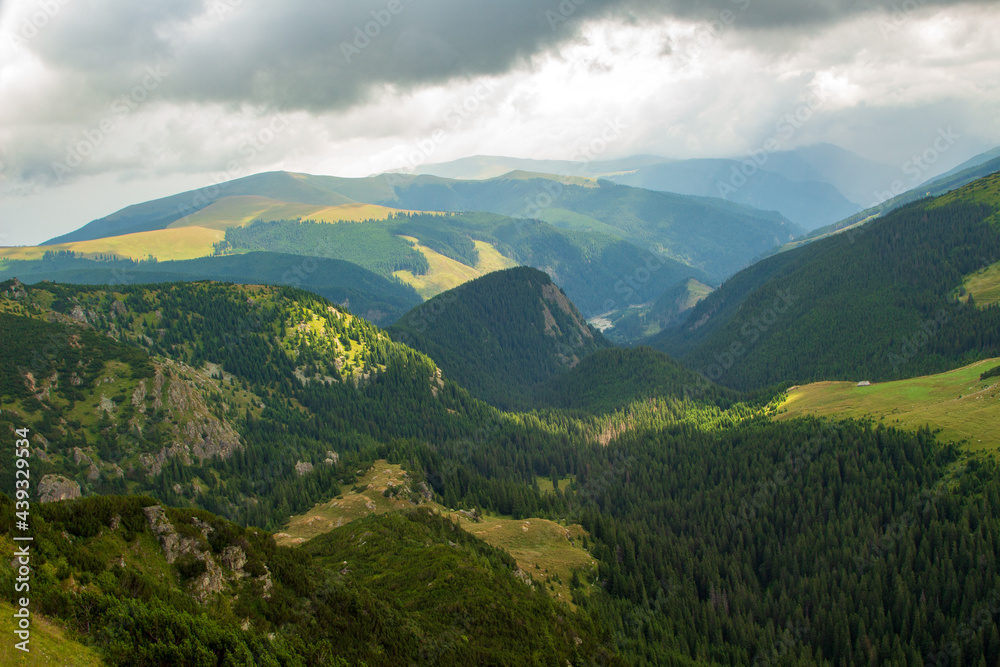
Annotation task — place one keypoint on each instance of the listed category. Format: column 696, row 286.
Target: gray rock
column 57, row 487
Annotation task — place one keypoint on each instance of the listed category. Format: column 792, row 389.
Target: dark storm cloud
column 306, row 54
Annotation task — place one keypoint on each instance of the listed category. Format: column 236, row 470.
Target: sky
column 106, row 103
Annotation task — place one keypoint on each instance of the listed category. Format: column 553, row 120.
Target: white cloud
column 682, row 85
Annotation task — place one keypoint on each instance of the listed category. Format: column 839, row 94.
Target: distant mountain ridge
column 975, row 168
column 710, row 235
column 811, row 186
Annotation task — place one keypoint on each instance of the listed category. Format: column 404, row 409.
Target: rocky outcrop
column 303, row 468
column 57, row 487
column 212, row 580
column 234, row 558
column 154, row 462
column 226, row 566
column 172, row 544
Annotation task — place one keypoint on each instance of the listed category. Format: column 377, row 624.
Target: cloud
column 319, row 56
column 365, row 81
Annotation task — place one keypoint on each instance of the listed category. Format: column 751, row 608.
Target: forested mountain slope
column 720, row 537
column 501, row 334
column 881, row 303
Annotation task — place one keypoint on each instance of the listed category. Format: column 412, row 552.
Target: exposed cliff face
column 219, row 570
column 198, row 434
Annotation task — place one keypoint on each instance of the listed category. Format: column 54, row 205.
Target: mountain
column 375, row 298
column 501, row 334
column 714, row 236
column 435, row 252
column 883, row 303
column 812, row 186
column 974, row 161
column 808, row 203
column 143, row 389
column 848, row 172
column 160, row 213
column 711, row 236
column 851, row 174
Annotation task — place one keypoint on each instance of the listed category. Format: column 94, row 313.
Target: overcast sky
column 105, row 103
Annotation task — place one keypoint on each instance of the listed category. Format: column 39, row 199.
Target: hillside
column 377, row 299
column 501, row 334
column 640, row 322
column 429, row 252
column 613, row 379
column 551, row 552
column 713, row 529
column 437, row 252
column 711, row 235
column 140, row 584
column 177, row 390
column 880, row 304
column 161, row 213
column 964, row 406
column 811, row 185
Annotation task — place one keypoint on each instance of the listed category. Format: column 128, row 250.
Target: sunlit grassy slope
column 446, row 273
column 48, row 645
column 546, row 550
column 697, row 291
column 984, row 285
column 163, row 244
column 957, row 402
column 241, row 210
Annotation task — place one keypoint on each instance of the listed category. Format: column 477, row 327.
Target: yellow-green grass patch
column 446, row 273
column 244, row 209
column 546, row 550
column 545, row 484
column 366, row 497
column 49, row 644
column 163, row 244
column 984, row 286
column 958, row 403
column 696, row 292
column 985, row 190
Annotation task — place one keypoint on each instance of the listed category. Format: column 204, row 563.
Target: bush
column 993, row 372
column 190, row 566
